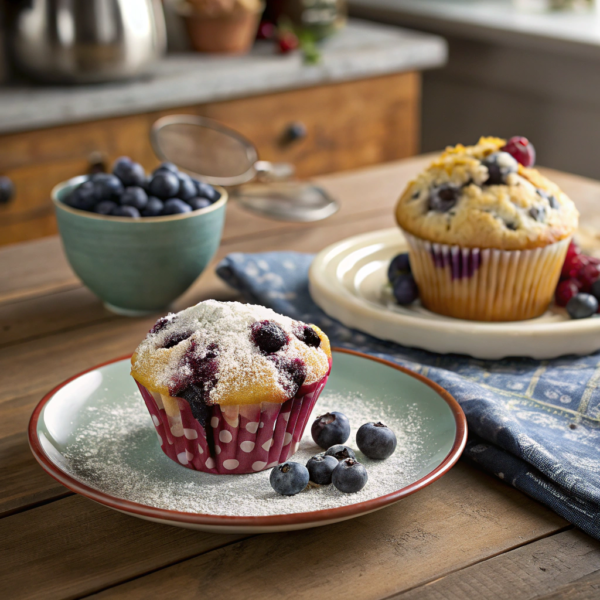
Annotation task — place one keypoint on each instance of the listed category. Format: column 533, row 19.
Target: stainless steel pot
column 84, row 41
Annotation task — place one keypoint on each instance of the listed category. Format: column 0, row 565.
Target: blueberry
column 134, row 196
column 340, row 452
column 166, row 166
column 443, row 197
column 405, row 289
column 187, row 188
column 292, row 373
column 198, row 203
column 164, row 185
column 349, row 476
column 105, row 207
column 173, row 339
column 129, row 172
column 398, row 265
column 537, row 213
column 126, row 211
column 268, row 336
column 306, row 334
column 205, row 190
column 596, row 289
column 320, row 468
column 153, row 208
column 82, row 197
column 499, row 166
column 7, row 189
column 106, row 186
column 289, row 478
column 330, row 429
column 552, row 201
column 582, row 306
column 175, row 206
column 376, row 440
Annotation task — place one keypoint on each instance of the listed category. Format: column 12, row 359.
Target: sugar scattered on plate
column 118, row 452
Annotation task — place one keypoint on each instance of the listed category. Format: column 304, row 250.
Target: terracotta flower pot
column 228, row 33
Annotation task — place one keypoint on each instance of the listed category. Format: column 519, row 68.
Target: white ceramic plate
column 94, row 435
column 348, row 281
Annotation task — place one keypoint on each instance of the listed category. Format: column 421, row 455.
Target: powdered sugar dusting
column 225, row 327
column 119, row 453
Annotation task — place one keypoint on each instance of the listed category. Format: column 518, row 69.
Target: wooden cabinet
column 348, row 125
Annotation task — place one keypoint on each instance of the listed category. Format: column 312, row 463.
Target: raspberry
column 521, row 149
column 588, row 275
column 565, row 290
column 573, row 265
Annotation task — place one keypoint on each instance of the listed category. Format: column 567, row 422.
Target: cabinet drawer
column 347, row 126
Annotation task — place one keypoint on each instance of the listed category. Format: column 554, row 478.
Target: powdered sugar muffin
column 230, row 386
column 487, row 235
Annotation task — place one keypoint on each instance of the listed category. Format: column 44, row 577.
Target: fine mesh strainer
column 221, row 156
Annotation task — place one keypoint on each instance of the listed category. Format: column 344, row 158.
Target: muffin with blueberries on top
column 487, row 234
column 230, row 386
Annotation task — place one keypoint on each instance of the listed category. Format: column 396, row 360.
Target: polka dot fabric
column 244, row 438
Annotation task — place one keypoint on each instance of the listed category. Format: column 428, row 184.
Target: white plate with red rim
column 348, row 280
column 94, row 435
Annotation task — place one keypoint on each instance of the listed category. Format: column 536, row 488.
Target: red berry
column 573, row 249
column 521, row 149
column 287, row 42
column 565, row 290
column 587, row 275
column 266, row 31
column 573, row 265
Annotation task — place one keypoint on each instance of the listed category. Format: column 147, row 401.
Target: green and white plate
column 94, row 435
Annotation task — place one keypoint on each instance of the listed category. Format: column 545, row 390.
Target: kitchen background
column 324, row 85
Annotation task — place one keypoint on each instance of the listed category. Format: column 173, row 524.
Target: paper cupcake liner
column 486, row 284
column 243, row 438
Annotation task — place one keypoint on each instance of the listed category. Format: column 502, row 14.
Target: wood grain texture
column 462, row 518
column 559, row 562
column 74, row 546
column 379, row 123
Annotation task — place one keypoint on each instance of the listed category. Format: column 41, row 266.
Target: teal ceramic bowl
column 138, row 266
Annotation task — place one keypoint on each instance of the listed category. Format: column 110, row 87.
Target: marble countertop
column 361, row 50
column 492, row 20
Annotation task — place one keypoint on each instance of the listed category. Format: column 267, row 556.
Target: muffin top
column 230, row 353
column 481, row 197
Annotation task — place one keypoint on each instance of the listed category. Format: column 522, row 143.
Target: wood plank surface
column 564, row 561
column 75, row 547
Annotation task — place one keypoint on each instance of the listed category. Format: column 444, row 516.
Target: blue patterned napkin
column 534, row 424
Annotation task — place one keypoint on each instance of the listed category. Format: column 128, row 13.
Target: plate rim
column 267, row 521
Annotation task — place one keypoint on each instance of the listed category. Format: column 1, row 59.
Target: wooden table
column 467, row 535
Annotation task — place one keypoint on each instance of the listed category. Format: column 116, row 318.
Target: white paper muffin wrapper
column 486, row 284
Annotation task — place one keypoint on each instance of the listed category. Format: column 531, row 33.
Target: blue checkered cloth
column 534, row 424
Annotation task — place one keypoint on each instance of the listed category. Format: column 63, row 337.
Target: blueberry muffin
column 487, row 234
column 230, row 386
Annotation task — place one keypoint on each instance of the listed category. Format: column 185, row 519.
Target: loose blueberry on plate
column 134, row 196
column 521, row 149
column 330, row 429
column 582, row 306
column 164, row 185
column 198, row 203
column 126, row 211
column 187, row 188
column 595, row 289
column 154, row 207
column 340, row 452
column 106, row 207
column 376, row 440
column 320, row 468
column 129, row 172
column 205, row 190
column 175, row 206
column 443, row 198
column 268, row 336
column 349, row 476
column 405, row 289
column 289, row 479
column 398, row 266
column 499, row 165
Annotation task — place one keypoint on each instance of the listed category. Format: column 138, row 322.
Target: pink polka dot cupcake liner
column 244, row 438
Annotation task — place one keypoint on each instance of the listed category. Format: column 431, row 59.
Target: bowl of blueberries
column 139, row 241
